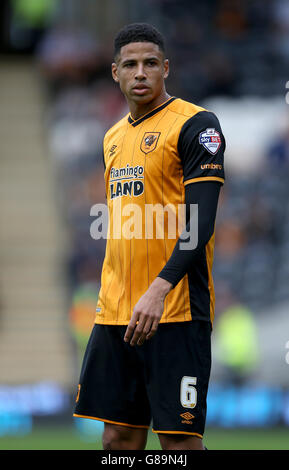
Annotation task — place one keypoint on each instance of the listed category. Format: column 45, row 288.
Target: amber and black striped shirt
column 149, row 164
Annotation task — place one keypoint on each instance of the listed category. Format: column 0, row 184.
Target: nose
column 140, row 72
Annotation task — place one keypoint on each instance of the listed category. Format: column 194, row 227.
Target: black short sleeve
column 201, row 147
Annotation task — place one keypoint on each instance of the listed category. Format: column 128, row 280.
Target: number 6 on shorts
column 188, row 393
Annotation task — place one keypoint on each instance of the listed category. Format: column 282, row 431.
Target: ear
column 114, row 72
column 166, row 68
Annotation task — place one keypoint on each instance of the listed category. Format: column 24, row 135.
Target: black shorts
column 164, row 381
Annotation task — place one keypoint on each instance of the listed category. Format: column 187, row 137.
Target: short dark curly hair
column 138, row 32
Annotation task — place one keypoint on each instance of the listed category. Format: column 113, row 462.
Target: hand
column 147, row 313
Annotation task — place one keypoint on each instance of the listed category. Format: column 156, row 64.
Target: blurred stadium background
column 56, row 101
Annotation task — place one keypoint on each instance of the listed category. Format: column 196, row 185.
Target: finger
column 131, row 326
column 138, row 331
column 153, row 329
column 145, row 331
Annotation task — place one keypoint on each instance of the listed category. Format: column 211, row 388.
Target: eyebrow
column 147, row 59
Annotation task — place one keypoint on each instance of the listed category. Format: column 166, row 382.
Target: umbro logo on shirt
column 112, row 150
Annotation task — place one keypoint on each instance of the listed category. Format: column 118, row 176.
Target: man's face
column 140, row 69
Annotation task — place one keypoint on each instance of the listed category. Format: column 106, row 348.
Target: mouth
column 140, row 89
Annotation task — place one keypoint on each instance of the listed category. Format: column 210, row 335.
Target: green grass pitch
column 68, row 438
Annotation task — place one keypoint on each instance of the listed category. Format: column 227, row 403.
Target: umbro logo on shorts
column 187, row 417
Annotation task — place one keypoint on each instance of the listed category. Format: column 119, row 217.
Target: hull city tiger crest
column 211, row 140
column 149, row 141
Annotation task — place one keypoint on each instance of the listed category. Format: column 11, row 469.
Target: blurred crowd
column 224, row 48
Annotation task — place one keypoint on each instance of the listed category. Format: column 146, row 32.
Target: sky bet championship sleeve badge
column 211, row 140
column 149, row 141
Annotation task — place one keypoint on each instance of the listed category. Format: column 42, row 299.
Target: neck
column 137, row 110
